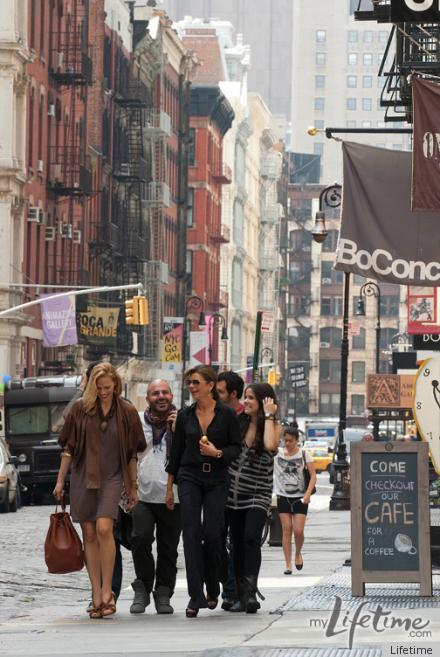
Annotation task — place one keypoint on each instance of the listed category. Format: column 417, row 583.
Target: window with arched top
column 235, row 344
column 238, row 223
column 237, row 283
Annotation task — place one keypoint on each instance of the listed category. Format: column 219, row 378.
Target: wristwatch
column 269, row 416
column 219, row 454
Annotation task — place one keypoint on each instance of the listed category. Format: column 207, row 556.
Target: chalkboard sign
column 390, row 514
column 390, row 511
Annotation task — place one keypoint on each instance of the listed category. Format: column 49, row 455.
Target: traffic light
column 143, row 310
column 132, row 311
column 272, row 377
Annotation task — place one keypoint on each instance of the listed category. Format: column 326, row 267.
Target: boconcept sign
column 415, row 11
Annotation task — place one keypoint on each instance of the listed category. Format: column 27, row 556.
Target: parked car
column 315, row 444
column 8, row 480
column 321, row 458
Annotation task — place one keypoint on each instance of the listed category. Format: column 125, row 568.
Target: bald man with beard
column 151, row 517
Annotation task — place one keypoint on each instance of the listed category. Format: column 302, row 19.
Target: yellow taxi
column 321, row 458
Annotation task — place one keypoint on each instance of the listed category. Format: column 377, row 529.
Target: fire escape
column 411, row 48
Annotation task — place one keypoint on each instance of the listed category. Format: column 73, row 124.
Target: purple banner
column 59, row 321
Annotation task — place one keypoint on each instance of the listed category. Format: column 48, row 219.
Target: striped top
column 251, row 480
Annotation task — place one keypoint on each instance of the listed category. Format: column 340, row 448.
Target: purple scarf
column 161, row 430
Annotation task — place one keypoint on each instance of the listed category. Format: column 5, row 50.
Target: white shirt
column 289, row 473
column 152, row 478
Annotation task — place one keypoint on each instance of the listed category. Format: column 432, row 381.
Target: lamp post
column 266, row 352
column 371, row 289
column 216, row 319
column 340, row 499
column 193, row 304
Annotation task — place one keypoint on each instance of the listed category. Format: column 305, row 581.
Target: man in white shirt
column 151, row 516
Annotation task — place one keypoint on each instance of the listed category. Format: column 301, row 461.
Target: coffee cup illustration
column 403, row 543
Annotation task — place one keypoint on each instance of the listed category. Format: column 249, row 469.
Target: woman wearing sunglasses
column 206, row 440
column 250, row 490
column 101, row 437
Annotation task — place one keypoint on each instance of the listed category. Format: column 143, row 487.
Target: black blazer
column 223, row 432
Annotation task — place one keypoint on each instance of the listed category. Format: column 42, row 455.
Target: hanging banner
column 198, row 342
column 380, row 236
column 415, row 11
column 98, row 326
column 172, row 341
column 58, row 321
column 426, row 145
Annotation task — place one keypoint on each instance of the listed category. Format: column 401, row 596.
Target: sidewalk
column 308, row 614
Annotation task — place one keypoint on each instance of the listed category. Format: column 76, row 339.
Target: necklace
column 105, row 419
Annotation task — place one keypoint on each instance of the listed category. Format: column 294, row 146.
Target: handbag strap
column 304, row 460
column 63, row 504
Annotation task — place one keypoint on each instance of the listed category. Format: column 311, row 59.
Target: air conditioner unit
column 51, row 110
column 59, row 59
column 40, row 166
column 324, row 345
column 77, row 236
column 326, row 281
column 66, row 230
column 50, row 233
column 124, row 168
column 36, row 215
column 57, row 172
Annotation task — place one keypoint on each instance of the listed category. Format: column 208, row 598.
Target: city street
column 38, row 611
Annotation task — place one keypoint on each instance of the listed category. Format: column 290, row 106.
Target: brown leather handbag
column 63, row 550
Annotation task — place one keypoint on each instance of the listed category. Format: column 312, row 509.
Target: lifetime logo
column 382, row 262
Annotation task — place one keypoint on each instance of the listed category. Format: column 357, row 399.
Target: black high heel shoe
column 299, row 566
column 191, row 613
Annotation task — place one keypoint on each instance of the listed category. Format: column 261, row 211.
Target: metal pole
column 184, row 348
column 257, row 345
column 72, row 293
column 340, row 499
column 376, row 421
column 210, row 338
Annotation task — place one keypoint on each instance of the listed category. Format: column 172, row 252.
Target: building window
column 351, row 124
column 236, row 333
column 367, row 81
column 190, row 208
column 366, row 124
column 368, row 36
column 331, row 306
column 320, row 59
column 352, row 36
column 386, row 337
column 330, row 337
column 189, row 269
column 319, row 104
column 40, row 127
column 329, row 403
column 383, row 36
column 329, row 275
column 31, row 129
column 330, row 370
column 238, row 226
column 192, row 147
column 358, row 371
column 318, row 148
column 319, row 124
column 237, row 283
column 367, row 104
column 319, row 81
column 389, row 305
column 368, row 59
column 298, row 305
column 331, row 241
column 358, row 341
column 240, row 164
column 397, row 147
column 298, row 337
column 352, row 59
column 351, row 81
column 321, row 36
column 357, row 404
column 351, row 104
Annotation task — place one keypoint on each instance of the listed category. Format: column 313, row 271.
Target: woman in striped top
column 250, row 489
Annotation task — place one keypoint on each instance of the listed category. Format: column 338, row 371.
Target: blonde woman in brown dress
column 100, row 438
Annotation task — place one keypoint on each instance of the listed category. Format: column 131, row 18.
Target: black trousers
column 148, row 517
column 203, row 537
column 246, row 527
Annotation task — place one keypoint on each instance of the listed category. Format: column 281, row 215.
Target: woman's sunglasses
column 193, row 382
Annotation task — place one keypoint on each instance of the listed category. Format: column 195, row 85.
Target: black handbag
column 122, row 529
column 307, row 476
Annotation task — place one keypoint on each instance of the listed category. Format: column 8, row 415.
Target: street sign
column 298, row 375
column 267, row 322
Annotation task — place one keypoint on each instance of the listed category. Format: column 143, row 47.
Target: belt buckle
column 206, row 467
